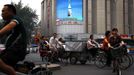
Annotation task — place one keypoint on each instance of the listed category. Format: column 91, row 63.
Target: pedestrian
column 16, row 42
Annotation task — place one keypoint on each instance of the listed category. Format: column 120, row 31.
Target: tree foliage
column 28, row 16
column 0, row 22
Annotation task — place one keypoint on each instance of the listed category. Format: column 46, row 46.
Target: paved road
column 88, row 69
column 34, row 57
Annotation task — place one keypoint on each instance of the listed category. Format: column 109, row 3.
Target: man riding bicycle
column 106, row 46
column 53, row 41
column 115, row 41
column 92, row 45
column 15, row 44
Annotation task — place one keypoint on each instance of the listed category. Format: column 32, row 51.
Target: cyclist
column 61, row 47
column 6, row 68
column 53, row 41
column 106, row 46
column 115, row 38
column 44, row 46
column 15, row 44
column 60, row 43
column 115, row 41
column 91, row 45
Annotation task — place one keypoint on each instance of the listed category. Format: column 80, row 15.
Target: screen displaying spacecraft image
column 69, row 8
column 69, row 12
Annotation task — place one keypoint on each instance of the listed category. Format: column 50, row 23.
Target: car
column 32, row 48
column 130, row 45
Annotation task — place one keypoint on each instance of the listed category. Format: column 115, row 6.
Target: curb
column 50, row 66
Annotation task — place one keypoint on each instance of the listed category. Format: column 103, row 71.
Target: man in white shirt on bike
column 92, row 45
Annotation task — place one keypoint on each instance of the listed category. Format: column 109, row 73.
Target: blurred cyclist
column 106, row 46
column 53, row 41
column 92, row 45
column 16, row 42
column 115, row 38
column 116, row 41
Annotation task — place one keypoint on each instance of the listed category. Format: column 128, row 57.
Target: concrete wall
column 67, row 29
column 98, row 16
column 107, row 15
column 119, row 16
column 89, row 16
column 101, row 24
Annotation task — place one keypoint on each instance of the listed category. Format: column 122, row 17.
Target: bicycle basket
column 117, row 52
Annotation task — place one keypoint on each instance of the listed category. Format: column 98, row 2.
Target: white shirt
column 53, row 42
column 91, row 43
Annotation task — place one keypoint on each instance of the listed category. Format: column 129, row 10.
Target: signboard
column 69, row 12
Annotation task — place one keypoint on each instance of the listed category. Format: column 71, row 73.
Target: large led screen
column 69, row 12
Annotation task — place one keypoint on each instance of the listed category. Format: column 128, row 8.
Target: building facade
column 98, row 16
column 106, row 14
column 47, row 17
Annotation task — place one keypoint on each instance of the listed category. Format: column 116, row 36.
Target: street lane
column 87, row 69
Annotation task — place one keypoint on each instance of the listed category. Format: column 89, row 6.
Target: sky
column 34, row 4
column 62, row 9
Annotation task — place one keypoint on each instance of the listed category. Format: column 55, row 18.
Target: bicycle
column 100, row 59
column 127, row 60
column 117, row 55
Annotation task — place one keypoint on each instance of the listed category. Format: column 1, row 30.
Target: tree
column 1, row 23
column 28, row 16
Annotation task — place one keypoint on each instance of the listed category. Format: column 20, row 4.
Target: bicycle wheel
column 89, row 57
column 100, row 60
column 73, row 60
column 116, row 66
column 125, row 62
column 131, row 59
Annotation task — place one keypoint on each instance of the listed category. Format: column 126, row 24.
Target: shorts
column 10, row 58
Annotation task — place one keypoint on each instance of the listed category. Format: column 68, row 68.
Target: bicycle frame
column 116, row 65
